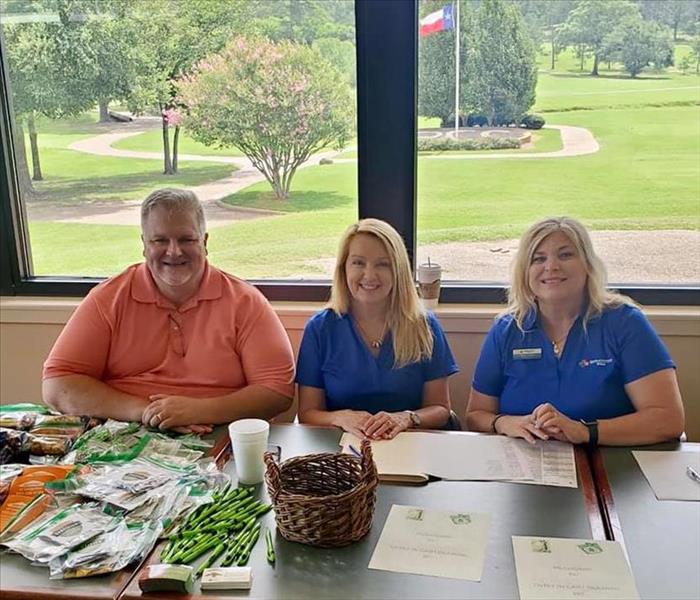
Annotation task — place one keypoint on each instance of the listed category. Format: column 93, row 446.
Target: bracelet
column 493, row 423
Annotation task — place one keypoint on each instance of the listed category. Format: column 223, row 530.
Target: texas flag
column 440, row 20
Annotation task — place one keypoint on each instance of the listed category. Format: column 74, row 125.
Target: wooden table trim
column 118, row 587
column 607, row 502
column 590, row 496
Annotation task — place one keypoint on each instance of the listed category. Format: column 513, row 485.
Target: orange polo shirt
column 128, row 335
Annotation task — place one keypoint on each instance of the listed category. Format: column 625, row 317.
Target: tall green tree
column 543, row 18
column 173, row 36
column 114, row 43
column 303, row 21
column 679, row 15
column 637, row 43
column 50, row 66
column 501, row 68
column 590, row 22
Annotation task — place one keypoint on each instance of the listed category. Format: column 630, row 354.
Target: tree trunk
column 176, row 139
column 167, row 162
column 104, row 110
column 553, row 55
column 594, row 72
column 583, row 56
column 25, row 182
column 36, row 163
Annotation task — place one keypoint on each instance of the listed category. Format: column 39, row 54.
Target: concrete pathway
column 127, row 212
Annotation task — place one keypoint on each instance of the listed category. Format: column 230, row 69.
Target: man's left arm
column 253, row 401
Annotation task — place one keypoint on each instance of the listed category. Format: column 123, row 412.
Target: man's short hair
column 174, row 200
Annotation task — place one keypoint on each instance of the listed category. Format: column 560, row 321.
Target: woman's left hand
column 386, row 425
column 559, row 426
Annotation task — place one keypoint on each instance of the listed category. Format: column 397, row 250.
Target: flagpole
column 456, row 4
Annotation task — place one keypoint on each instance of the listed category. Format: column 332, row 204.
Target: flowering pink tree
column 277, row 103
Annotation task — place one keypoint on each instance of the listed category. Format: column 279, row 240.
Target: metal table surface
column 661, row 537
column 516, row 509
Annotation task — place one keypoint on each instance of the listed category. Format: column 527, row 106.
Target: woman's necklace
column 558, row 345
column 374, row 343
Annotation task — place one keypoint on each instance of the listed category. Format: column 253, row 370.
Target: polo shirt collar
column 531, row 320
column 144, row 289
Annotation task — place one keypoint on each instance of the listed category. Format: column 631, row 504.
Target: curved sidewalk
column 576, row 141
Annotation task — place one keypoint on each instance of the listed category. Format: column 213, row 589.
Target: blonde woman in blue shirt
column 374, row 362
column 570, row 359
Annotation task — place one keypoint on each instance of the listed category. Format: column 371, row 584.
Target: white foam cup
column 249, row 442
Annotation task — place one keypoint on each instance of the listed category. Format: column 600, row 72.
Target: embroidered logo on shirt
column 594, row 362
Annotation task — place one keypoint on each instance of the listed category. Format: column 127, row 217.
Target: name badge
column 527, row 353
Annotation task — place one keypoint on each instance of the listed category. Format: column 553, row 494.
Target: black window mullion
column 387, row 66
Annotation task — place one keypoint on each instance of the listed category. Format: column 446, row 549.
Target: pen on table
column 692, row 473
column 356, row 452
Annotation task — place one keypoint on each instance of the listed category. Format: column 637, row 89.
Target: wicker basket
column 324, row 500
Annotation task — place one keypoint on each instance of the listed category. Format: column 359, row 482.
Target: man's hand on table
column 178, row 413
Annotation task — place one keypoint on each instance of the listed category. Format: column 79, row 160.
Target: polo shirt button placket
column 176, row 340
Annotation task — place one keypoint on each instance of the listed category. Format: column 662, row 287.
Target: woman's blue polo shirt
column 587, row 382
column 334, row 357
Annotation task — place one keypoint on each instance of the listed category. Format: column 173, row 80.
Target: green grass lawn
column 152, row 141
column 115, row 179
column 568, row 88
column 73, row 177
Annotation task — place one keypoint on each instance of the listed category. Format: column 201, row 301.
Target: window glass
column 616, row 86
column 249, row 104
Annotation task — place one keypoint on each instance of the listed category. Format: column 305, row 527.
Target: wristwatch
column 592, row 432
column 415, row 418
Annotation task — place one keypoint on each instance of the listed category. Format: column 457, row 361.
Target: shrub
column 486, row 143
column 532, row 121
column 477, row 120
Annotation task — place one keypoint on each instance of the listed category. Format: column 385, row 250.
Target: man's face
column 175, row 251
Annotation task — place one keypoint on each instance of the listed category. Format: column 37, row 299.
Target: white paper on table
column 666, row 473
column 451, row 457
column 472, row 457
column 559, row 569
column 432, row 542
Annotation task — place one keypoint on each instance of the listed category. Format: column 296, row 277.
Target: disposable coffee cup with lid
column 429, row 276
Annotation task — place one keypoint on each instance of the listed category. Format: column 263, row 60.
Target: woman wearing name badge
column 569, row 359
column 374, row 363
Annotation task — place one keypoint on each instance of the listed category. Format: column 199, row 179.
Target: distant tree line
column 498, row 38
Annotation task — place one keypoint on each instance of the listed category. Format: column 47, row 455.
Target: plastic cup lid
column 249, row 426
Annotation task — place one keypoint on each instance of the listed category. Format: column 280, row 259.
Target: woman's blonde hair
column 521, row 298
column 406, row 319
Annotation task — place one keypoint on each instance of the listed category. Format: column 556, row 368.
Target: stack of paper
column 413, row 456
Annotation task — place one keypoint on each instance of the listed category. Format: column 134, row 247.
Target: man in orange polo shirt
column 173, row 342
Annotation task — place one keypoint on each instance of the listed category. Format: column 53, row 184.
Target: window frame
column 387, row 72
